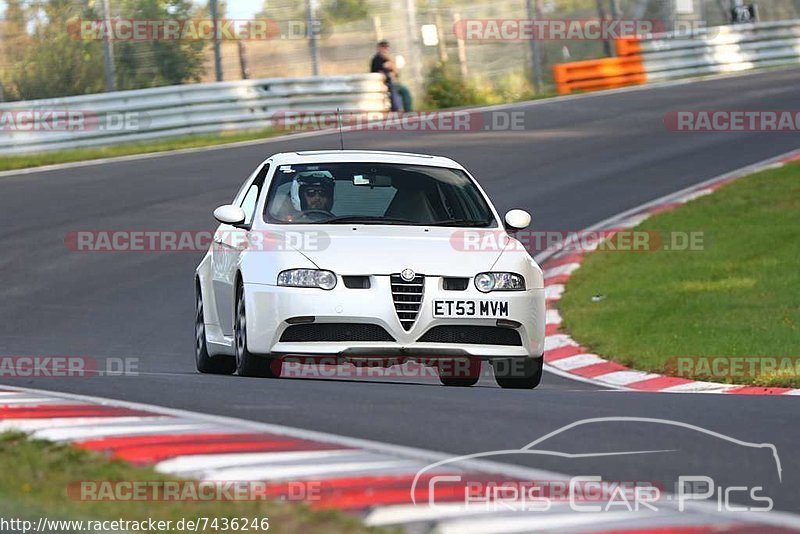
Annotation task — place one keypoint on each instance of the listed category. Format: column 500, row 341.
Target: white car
column 362, row 255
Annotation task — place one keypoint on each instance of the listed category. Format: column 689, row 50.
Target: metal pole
column 615, row 10
column 217, row 54
column 462, row 49
column 311, row 28
column 108, row 51
column 412, row 37
column 615, row 14
column 601, row 14
column 440, row 35
column 536, row 54
column 243, row 67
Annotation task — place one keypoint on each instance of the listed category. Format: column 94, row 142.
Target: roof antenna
column 341, row 138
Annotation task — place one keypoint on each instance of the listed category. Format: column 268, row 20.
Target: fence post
column 108, row 50
column 311, row 29
column 217, row 55
column 462, row 49
column 412, row 38
column 536, row 53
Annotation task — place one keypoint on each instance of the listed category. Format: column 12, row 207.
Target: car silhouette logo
column 407, row 275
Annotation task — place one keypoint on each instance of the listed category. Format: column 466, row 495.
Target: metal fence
column 668, row 56
column 722, row 49
column 140, row 115
column 345, row 46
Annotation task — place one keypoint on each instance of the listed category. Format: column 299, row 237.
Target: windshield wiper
column 461, row 222
column 365, row 219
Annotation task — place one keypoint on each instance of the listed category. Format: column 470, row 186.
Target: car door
column 229, row 244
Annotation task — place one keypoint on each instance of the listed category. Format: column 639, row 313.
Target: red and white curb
column 369, row 479
column 565, row 357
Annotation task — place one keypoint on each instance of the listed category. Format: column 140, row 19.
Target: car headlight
column 307, row 278
column 486, row 282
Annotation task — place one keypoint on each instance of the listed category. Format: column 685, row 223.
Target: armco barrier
column 598, row 74
column 183, row 109
column 679, row 55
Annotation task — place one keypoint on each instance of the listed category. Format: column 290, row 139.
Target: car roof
column 356, row 156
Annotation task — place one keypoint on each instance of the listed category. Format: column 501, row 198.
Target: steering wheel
column 317, row 215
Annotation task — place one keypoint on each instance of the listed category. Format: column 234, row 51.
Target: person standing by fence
column 382, row 62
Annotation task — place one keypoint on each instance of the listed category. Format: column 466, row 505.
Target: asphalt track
column 578, row 161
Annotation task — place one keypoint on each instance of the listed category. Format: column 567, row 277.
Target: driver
column 312, row 190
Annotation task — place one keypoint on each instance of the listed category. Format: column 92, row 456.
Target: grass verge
column 736, row 297
column 36, row 475
column 8, row 163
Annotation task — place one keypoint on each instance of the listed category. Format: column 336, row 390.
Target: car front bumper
column 269, row 308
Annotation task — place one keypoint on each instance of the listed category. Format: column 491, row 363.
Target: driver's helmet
column 308, row 179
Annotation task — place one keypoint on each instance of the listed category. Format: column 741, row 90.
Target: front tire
column 459, row 372
column 215, row 365
column 518, row 373
column 247, row 363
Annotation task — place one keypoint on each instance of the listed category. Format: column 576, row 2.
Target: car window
column 249, row 203
column 376, row 193
column 250, row 199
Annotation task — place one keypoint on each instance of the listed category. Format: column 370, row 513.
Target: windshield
column 375, row 193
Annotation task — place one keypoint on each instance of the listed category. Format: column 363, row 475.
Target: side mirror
column 228, row 214
column 517, row 219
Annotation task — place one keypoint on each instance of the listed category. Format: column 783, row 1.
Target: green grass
column 8, row 163
column 36, row 474
column 738, row 296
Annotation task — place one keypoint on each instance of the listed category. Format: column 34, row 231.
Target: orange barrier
column 606, row 73
column 628, row 46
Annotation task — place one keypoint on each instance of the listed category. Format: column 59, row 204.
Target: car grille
column 336, row 332
column 407, row 297
column 472, row 335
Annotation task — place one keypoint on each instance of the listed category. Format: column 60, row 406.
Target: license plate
column 470, row 308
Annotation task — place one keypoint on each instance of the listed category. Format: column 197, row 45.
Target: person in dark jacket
column 382, row 62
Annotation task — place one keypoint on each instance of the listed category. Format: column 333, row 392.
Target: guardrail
column 145, row 114
column 669, row 56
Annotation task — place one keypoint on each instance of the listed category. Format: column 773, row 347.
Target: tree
column 281, row 10
column 345, row 10
column 54, row 62
column 13, row 40
column 158, row 62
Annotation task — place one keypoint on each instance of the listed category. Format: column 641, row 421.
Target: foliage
column 54, row 63
column 445, row 88
column 160, row 62
column 344, row 10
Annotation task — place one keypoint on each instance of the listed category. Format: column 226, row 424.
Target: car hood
column 383, row 250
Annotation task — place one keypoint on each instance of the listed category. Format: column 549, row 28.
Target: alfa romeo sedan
column 363, row 256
